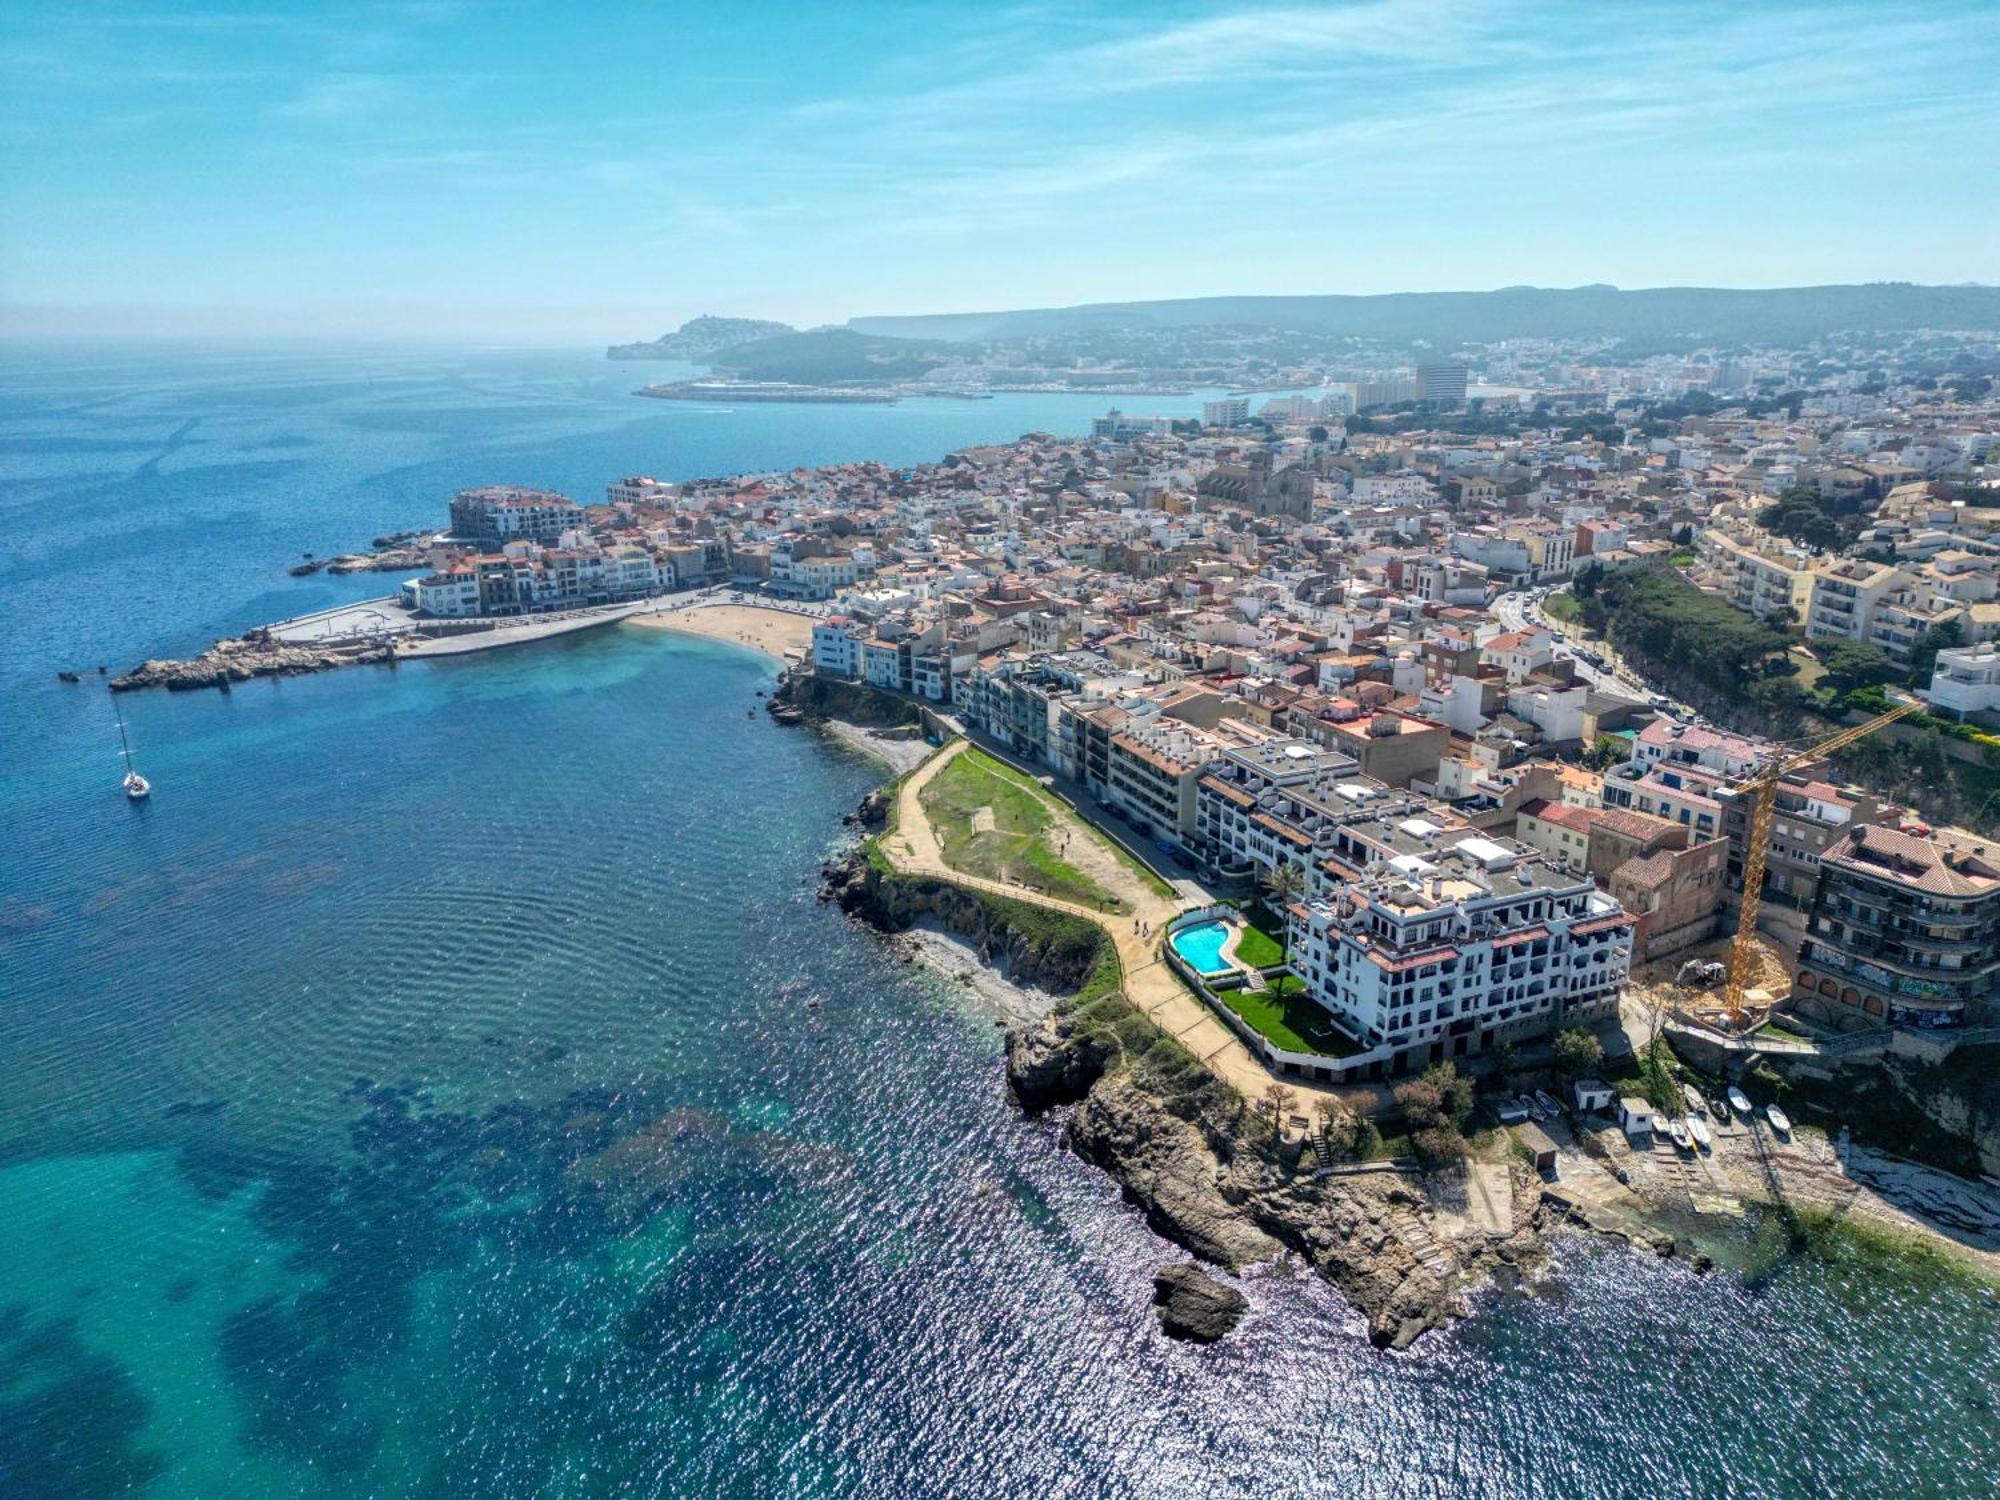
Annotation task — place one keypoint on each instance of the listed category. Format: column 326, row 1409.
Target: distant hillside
column 835, row 354
column 700, row 337
column 1782, row 315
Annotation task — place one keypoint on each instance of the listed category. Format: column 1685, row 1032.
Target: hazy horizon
column 535, row 173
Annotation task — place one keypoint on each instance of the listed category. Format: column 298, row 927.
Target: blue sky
column 604, row 170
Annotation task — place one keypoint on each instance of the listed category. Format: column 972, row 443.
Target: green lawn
column 1284, row 1016
column 1562, row 607
column 1263, row 940
column 1779, row 1033
column 1018, row 846
column 1141, row 871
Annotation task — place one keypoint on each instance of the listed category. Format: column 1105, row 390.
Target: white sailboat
column 137, row 787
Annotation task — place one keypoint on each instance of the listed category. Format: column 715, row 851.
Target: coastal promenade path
column 1150, row 985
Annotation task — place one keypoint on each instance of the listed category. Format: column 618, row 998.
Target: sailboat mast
column 123, row 743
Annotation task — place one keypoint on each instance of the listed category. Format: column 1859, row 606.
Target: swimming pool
column 1201, row 946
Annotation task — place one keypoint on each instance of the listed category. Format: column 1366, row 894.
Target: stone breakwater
column 1207, row 1170
column 244, row 658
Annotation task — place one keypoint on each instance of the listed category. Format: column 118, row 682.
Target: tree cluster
column 1578, row 1053
column 1658, row 614
column 1801, row 514
column 1436, row 1107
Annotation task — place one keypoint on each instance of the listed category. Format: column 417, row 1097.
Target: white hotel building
column 1432, row 956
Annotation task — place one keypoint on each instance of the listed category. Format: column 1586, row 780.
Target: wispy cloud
column 343, row 96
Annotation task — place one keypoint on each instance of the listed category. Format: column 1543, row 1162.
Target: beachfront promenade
column 1150, row 985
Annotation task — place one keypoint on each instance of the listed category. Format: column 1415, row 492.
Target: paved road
column 1523, row 611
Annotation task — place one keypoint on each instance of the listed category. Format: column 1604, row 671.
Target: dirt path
column 1150, row 985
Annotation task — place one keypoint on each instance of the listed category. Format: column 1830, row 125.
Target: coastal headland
column 1243, row 1169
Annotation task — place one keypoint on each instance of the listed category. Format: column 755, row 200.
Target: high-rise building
column 1231, row 411
column 1442, row 386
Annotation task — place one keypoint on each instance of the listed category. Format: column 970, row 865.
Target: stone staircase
column 1433, row 1256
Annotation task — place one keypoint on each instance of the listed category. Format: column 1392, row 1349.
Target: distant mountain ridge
column 1779, row 315
column 835, row 354
column 700, row 337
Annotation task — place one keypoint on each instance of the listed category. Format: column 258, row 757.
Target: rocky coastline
column 1219, row 1176
column 1206, row 1169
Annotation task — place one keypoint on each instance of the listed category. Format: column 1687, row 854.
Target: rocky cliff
column 1220, row 1186
column 1043, row 949
column 811, row 696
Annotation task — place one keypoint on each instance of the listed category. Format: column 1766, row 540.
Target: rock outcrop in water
column 239, row 660
column 807, row 696
column 1221, row 1187
column 1194, row 1305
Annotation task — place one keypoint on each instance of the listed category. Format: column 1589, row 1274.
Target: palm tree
column 1282, row 882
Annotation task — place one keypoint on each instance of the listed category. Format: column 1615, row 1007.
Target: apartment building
column 1259, row 806
column 1441, row 387
column 836, row 646
column 639, row 489
column 496, row 514
column 1966, row 680
column 1151, row 775
column 1758, row 574
column 819, row 577
column 1448, row 953
column 1389, row 746
column 1903, row 929
column 1858, row 600
column 1701, row 778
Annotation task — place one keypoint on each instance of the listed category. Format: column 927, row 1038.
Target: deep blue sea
column 420, row 1095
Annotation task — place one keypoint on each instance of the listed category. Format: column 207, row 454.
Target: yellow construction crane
column 1743, row 951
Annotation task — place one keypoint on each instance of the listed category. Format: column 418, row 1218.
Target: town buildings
column 1276, row 649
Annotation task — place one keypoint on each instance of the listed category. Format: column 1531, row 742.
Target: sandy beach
column 776, row 632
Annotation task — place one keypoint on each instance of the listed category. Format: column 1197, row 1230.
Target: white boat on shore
column 1696, row 1105
column 1679, row 1131
column 1697, row 1127
column 1740, row 1101
column 1780, row 1121
column 1548, row 1104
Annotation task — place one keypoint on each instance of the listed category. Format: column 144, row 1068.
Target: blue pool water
column 1202, row 946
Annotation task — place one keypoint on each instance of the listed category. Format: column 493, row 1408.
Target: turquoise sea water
column 420, row 1096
